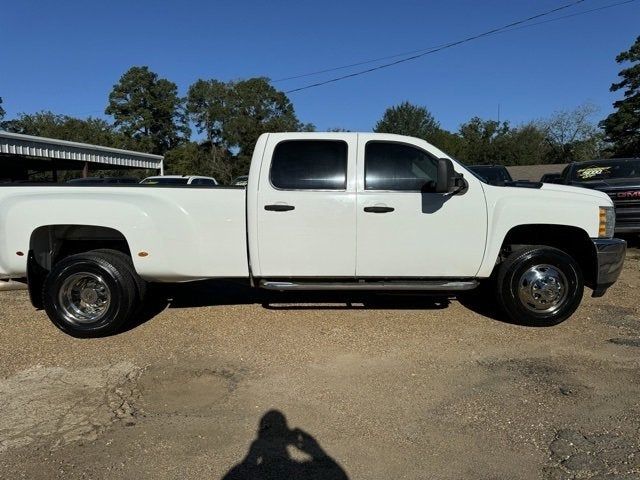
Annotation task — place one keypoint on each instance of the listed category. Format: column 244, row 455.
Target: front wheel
column 539, row 286
column 90, row 294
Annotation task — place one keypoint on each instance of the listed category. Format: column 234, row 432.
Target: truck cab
column 360, row 206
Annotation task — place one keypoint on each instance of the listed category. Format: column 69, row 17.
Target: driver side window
column 397, row 166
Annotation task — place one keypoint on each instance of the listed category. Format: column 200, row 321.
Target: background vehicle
column 322, row 211
column 619, row 178
column 551, row 178
column 104, row 180
column 492, row 174
column 240, row 181
column 180, row 180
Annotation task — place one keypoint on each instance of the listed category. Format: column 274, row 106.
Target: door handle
column 378, row 209
column 279, row 207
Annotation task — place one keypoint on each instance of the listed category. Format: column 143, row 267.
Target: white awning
column 51, row 148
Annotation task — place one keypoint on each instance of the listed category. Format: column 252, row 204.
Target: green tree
column 149, row 109
column 194, row 158
column 232, row 116
column 190, row 158
column 527, row 145
column 256, row 107
column 491, row 142
column 484, row 141
column 2, row 112
column 91, row 130
column 207, row 107
column 571, row 136
column 622, row 127
column 408, row 119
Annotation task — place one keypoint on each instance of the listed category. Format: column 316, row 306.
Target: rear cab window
column 309, row 165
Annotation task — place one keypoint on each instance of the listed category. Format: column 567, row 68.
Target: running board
column 371, row 285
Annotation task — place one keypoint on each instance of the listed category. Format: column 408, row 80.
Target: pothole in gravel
column 536, row 375
column 514, row 400
column 56, row 406
column 185, row 390
column 602, row 455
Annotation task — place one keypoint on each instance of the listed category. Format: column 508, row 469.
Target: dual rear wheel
column 93, row 294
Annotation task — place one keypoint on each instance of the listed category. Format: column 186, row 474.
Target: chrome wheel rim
column 543, row 289
column 84, row 298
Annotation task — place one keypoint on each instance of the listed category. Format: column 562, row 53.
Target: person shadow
column 269, row 456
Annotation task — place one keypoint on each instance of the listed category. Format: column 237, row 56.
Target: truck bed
column 174, row 233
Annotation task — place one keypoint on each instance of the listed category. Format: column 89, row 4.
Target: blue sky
column 65, row 56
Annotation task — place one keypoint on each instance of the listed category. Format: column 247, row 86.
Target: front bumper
column 610, row 254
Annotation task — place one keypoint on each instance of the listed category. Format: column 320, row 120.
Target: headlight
column 607, row 222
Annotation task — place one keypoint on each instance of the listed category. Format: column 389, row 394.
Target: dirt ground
column 225, row 385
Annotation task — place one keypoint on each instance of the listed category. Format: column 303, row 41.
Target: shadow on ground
column 218, row 292
column 270, row 455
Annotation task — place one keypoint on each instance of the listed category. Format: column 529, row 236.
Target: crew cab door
column 404, row 228
column 305, row 209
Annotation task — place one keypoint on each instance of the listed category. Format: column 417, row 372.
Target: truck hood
column 552, row 187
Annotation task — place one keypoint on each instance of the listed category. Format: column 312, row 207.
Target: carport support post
column 54, row 171
column 85, row 170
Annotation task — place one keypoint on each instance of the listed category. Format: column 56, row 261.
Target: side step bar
column 452, row 285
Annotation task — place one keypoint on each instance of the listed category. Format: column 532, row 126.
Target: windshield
column 606, row 170
column 165, row 181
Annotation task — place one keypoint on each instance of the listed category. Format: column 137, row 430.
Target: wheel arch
column 572, row 240
column 48, row 244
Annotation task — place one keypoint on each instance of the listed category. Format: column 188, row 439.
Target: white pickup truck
column 322, row 211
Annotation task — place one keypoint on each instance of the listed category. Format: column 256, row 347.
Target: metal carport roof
column 51, row 148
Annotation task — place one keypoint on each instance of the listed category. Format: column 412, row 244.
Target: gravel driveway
column 225, row 385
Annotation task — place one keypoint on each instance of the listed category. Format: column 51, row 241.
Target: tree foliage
column 256, row 107
column 622, row 127
column 2, row 112
column 484, row 141
column 193, row 158
column 571, row 136
column 207, row 105
column 408, row 119
column 232, row 116
column 91, row 130
column 566, row 136
column 491, row 142
column 148, row 108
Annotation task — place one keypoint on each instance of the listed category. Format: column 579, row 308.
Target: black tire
column 140, row 303
column 142, row 287
column 116, row 278
column 516, row 272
